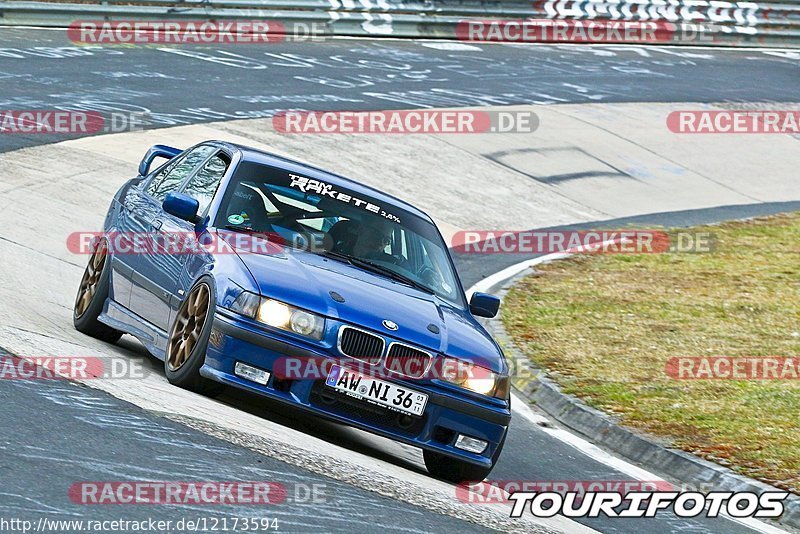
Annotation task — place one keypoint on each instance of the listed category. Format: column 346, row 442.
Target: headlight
column 279, row 315
column 475, row 378
column 274, row 313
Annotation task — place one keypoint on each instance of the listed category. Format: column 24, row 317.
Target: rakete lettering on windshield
column 307, row 185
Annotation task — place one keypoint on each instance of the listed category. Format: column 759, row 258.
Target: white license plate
column 386, row 394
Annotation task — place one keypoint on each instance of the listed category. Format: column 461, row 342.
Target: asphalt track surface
column 57, row 434
column 75, row 434
column 41, row 69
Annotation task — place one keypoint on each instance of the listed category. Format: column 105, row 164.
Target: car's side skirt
column 121, row 318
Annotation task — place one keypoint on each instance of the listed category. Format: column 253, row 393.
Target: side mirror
column 157, row 151
column 484, row 305
column 181, row 206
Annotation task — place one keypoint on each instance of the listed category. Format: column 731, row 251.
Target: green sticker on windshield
column 235, row 219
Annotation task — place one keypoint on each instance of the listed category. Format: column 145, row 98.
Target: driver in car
column 371, row 243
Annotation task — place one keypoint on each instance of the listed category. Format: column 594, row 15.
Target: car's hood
column 306, row 280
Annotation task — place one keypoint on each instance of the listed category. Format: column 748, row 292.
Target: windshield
column 328, row 219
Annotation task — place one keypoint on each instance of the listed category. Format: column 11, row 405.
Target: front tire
column 92, row 295
column 188, row 342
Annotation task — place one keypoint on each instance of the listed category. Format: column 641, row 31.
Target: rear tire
column 188, row 342
column 92, row 295
column 457, row 471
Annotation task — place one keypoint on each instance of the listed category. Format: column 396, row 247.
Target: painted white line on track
column 588, row 449
column 509, row 272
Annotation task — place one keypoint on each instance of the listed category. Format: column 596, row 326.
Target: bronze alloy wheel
column 188, row 326
column 90, row 280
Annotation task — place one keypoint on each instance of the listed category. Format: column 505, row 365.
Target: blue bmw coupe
column 352, row 277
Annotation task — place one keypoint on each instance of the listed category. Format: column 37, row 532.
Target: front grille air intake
column 407, row 361
column 360, row 345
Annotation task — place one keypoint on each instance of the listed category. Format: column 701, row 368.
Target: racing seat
column 248, row 202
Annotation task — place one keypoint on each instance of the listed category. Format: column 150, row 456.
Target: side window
column 158, row 179
column 203, row 185
column 171, row 177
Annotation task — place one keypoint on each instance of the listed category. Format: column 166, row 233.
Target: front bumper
column 447, row 413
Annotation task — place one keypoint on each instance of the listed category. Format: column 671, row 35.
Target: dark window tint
column 173, row 175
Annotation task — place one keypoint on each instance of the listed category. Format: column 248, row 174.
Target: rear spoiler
column 156, row 151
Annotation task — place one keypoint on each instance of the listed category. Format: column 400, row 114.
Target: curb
column 605, row 431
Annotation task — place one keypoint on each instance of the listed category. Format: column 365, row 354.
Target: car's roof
column 266, row 158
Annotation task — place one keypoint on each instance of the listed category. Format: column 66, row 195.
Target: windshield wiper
column 346, row 258
column 377, row 268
